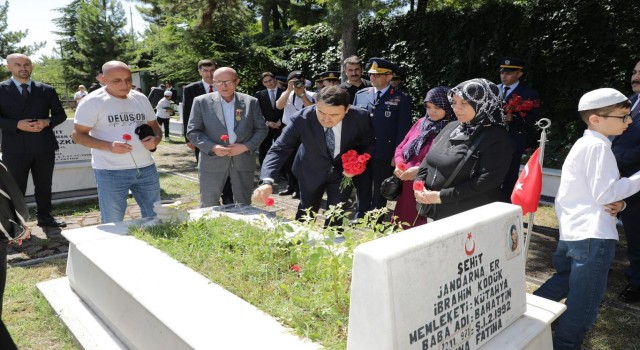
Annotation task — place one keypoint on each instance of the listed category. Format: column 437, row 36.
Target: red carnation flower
column 269, row 202
column 418, row 186
column 126, row 137
column 401, row 166
column 295, row 268
column 224, row 138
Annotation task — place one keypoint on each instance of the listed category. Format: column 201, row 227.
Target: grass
column 258, row 265
column 31, row 322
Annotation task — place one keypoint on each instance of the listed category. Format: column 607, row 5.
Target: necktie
column 505, row 91
column 211, row 88
column 272, row 95
column 331, row 141
column 25, row 90
column 635, row 110
column 377, row 97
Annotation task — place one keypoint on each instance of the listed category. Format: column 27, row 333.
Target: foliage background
column 572, row 47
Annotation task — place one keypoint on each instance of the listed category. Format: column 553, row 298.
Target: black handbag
column 391, row 188
column 429, row 210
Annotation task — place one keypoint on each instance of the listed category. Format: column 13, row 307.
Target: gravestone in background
column 451, row 284
column 72, row 176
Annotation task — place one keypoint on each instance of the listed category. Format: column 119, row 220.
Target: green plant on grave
column 293, row 271
column 332, row 262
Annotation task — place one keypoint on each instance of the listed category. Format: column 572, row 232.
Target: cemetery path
column 175, row 158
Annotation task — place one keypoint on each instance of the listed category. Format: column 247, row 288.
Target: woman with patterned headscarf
column 412, row 150
column 478, row 108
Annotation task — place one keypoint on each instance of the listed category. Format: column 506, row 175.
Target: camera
column 298, row 83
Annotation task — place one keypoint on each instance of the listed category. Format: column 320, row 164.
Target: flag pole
column 543, row 124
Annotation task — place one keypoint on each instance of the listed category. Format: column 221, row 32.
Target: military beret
column 381, row 66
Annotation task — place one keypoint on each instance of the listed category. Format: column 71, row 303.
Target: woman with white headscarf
column 481, row 127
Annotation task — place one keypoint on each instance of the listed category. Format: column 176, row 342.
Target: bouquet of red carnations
column 517, row 104
column 353, row 164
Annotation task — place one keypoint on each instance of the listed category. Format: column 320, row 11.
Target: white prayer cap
column 599, row 98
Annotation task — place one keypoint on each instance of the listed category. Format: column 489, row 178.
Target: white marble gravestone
column 72, row 174
column 451, row 284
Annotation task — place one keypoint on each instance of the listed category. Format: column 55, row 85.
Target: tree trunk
column 349, row 31
column 422, row 6
column 264, row 20
column 412, row 6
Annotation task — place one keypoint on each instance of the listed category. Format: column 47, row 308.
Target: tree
column 68, row 45
column 100, row 33
column 9, row 41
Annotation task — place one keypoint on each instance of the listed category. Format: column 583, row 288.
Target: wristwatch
column 265, row 182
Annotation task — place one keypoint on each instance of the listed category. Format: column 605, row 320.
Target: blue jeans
column 114, row 186
column 581, row 277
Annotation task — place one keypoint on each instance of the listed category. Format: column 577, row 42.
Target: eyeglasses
column 624, row 118
column 224, row 82
column 378, row 75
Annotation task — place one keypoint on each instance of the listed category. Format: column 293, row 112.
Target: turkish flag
column 528, row 188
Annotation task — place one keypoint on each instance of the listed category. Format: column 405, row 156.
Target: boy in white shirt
column 590, row 180
column 163, row 112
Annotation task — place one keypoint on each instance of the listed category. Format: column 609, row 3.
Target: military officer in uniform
column 330, row 78
column 390, row 110
column 521, row 124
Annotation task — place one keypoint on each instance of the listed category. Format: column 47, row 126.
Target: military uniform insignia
column 387, row 113
column 238, row 114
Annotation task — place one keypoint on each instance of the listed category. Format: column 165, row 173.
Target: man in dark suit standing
column 29, row 111
column 98, row 84
column 273, row 117
column 521, row 124
column 168, row 86
column 156, row 94
column 626, row 148
column 390, row 110
column 195, row 89
column 325, row 130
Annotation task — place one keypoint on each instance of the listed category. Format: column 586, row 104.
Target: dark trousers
column 368, row 186
column 266, row 144
column 510, row 179
column 292, row 181
column 165, row 125
column 631, row 223
column 6, row 343
column 41, row 167
column 311, row 197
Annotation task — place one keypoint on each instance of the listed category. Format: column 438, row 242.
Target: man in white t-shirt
column 106, row 121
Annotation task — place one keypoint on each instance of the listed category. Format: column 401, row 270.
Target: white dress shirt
column 228, row 109
column 590, row 180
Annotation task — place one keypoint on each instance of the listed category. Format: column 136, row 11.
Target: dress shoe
column 50, row 221
column 296, row 195
column 286, row 192
column 630, row 294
